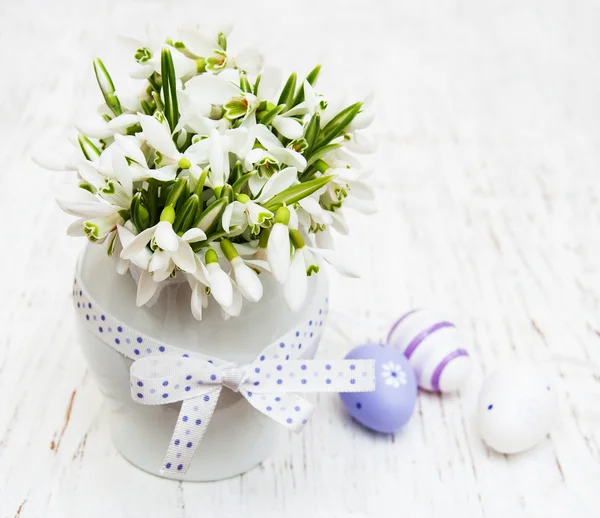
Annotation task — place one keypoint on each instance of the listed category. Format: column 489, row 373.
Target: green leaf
column 210, row 218
column 268, row 117
column 167, row 71
column 107, row 87
column 187, row 214
column 336, row 126
column 241, row 181
column 287, row 94
column 199, row 187
column 176, row 191
column 151, row 201
column 89, row 150
column 312, row 131
column 139, row 214
column 245, row 84
column 322, row 151
column 147, row 107
column 160, row 106
column 297, row 192
column 311, row 78
column 256, row 84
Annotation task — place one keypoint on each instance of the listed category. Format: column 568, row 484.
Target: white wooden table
column 489, row 180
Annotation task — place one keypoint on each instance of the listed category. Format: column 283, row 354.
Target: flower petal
column 193, row 235
column 247, row 280
column 122, row 122
column 137, row 244
column 184, row 257
column 270, row 82
column 95, row 127
column 160, row 261
column 197, row 302
column 296, row 284
column 146, row 288
column 211, row 89
column 220, row 285
column 278, row 251
column 236, row 304
column 334, row 260
column 288, row 127
column 277, row 183
column 82, row 203
column 165, row 237
column 131, row 148
column 289, row 157
column 158, row 136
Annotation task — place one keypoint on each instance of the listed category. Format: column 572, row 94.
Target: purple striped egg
column 390, row 406
column 432, row 345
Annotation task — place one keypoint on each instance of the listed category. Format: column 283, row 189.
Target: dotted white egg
column 517, row 408
column 432, row 345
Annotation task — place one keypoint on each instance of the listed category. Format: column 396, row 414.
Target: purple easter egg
column 391, row 405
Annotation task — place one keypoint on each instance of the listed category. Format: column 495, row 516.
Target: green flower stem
column 263, row 239
column 297, row 239
column 282, row 216
column 228, row 249
column 184, row 163
column 168, row 214
column 211, row 256
column 243, row 198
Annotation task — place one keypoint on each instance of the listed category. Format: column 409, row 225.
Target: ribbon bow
column 266, row 384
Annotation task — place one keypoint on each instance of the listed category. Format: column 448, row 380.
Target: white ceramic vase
column 238, row 437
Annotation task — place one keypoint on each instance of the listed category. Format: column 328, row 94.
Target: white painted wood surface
column 489, row 179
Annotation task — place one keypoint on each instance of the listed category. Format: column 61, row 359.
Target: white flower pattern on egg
column 393, row 374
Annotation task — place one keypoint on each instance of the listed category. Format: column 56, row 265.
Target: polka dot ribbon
column 163, row 374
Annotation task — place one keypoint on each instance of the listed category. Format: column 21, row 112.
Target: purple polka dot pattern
column 163, row 374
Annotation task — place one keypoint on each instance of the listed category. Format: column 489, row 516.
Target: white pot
column 238, row 436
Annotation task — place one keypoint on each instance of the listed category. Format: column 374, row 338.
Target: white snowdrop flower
column 303, row 265
column 278, row 248
column 287, row 124
column 199, row 298
column 245, row 277
column 221, row 286
column 146, row 54
column 158, row 135
column 167, row 245
column 129, row 164
column 126, row 236
column 243, row 213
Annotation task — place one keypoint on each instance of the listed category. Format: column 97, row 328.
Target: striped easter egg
column 432, row 345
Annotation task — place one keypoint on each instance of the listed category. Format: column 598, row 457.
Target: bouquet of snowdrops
column 218, row 172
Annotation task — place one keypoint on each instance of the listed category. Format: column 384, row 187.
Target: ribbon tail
column 289, row 410
column 192, row 422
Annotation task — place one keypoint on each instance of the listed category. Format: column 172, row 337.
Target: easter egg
column 391, row 405
column 433, row 347
column 517, row 408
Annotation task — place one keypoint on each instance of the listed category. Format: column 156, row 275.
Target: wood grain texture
column 488, row 177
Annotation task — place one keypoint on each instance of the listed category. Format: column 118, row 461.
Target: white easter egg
column 517, row 408
column 433, row 346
